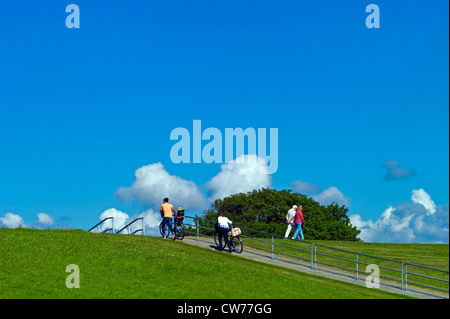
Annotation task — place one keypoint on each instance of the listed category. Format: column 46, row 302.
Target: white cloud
column 411, row 222
column 330, row 195
column 152, row 219
column 12, row 221
column 153, row 183
column 45, row 219
column 244, row 174
column 421, row 197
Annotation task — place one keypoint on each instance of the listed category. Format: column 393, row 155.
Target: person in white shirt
column 290, row 220
column 224, row 224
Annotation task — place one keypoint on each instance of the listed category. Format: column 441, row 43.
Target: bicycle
column 235, row 241
column 178, row 228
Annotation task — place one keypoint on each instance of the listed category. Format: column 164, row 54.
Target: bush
column 265, row 210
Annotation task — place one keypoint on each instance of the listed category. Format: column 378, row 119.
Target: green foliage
column 265, row 210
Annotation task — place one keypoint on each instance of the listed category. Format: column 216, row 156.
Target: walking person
column 290, row 220
column 299, row 221
column 166, row 211
column 224, row 228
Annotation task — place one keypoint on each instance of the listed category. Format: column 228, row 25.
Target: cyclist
column 224, row 228
column 166, row 213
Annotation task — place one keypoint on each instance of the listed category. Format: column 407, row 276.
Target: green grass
column 33, row 264
column 428, row 255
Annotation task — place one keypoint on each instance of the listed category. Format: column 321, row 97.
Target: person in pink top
column 298, row 220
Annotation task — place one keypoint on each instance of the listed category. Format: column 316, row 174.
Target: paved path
column 266, row 257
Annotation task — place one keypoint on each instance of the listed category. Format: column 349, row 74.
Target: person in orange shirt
column 166, row 213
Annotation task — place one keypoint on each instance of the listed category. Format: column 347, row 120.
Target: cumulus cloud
column 153, row 183
column 421, row 197
column 45, row 219
column 152, row 219
column 244, row 174
column 410, row 222
column 330, row 195
column 11, row 220
column 394, row 171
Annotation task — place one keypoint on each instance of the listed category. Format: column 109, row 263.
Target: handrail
column 314, row 253
column 357, row 262
column 272, row 243
column 108, row 229
column 423, row 276
column 129, row 224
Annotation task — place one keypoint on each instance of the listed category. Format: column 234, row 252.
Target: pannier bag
column 236, row 231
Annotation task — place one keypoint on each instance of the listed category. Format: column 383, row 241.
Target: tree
column 265, row 210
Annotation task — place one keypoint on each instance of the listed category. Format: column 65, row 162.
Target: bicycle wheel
column 216, row 239
column 165, row 231
column 179, row 232
column 237, row 245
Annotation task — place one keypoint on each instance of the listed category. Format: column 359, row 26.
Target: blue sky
column 83, row 109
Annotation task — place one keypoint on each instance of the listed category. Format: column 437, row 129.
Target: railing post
column 406, row 276
column 357, row 268
column 112, row 225
column 272, row 248
column 312, row 256
column 196, row 226
column 315, row 256
column 401, row 264
column 143, row 229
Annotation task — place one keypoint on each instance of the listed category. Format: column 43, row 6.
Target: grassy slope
column 429, row 255
column 33, row 263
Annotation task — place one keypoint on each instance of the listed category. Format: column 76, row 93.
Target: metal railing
column 433, row 279
column 106, row 230
column 310, row 253
column 266, row 243
column 357, row 261
column 129, row 227
column 398, row 275
column 274, row 244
